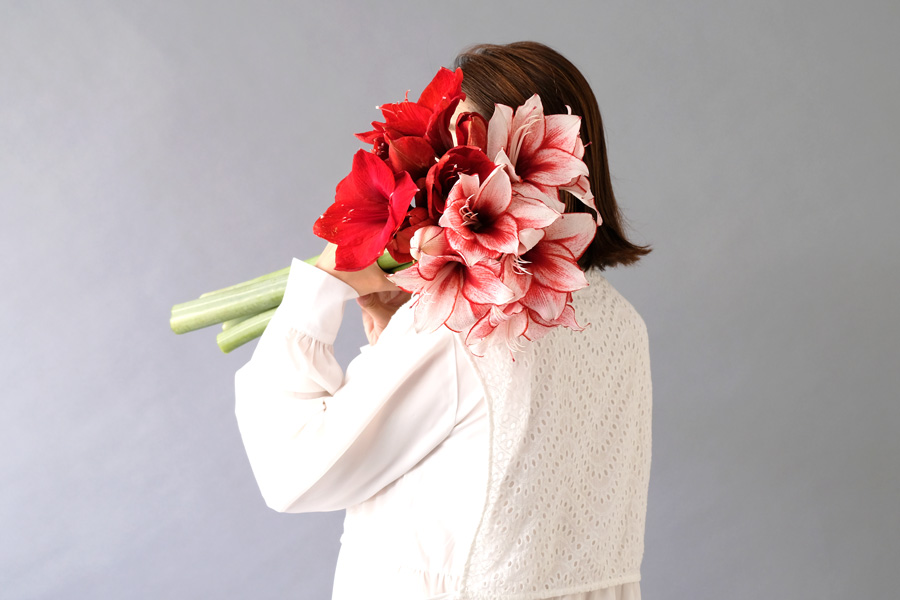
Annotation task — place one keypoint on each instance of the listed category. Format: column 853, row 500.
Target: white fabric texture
column 408, row 440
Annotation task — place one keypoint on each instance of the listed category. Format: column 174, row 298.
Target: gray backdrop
column 151, row 151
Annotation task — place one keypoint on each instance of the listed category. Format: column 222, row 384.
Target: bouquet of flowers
column 464, row 213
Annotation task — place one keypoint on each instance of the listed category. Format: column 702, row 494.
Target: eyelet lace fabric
column 570, row 443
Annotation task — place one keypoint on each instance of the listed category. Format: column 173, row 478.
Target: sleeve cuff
column 313, row 302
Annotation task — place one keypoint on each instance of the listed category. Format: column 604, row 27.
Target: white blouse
column 400, row 442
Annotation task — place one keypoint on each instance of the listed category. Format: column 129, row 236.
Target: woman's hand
column 367, row 281
column 377, row 310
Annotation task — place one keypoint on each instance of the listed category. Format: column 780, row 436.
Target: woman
column 465, row 477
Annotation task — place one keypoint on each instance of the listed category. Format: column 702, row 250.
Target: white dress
column 400, row 442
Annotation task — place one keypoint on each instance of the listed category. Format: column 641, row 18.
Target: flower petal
column 495, row 194
column 581, row 189
column 550, row 166
column 562, row 132
column 546, row 194
column 438, row 130
column 471, row 130
column 498, row 130
column 437, row 299
column 430, row 266
column 405, row 119
column 498, row 327
column 409, row 279
column 471, row 251
column 552, row 266
column 465, row 314
column 575, row 231
column 528, row 238
column 527, row 130
column 546, row 302
column 482, row 285
column 502, row 235
column 446, row 85
column 429, row 239
column 514, row 276
column 530, row 213
column 412, row 154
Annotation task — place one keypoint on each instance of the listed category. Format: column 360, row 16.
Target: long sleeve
column 318, row 440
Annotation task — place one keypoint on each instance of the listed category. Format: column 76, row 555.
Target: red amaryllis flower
column 369, row 206
column 414, row 134
column 551, row 266
column 445, row 173
column 484, row 221
column 451, row 293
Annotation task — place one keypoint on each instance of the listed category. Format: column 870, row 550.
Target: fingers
column 378, row 308
column 378, row 311
column 376, row 280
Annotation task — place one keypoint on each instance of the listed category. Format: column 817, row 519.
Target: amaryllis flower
column 451, row 293
column 513, row 323
column 484, row 220
column 414, row 134
column 369, row 207
column 445, row 173
column 549, row 272
column 542, row 153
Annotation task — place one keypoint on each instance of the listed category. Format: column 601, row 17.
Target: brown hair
column 510, row 74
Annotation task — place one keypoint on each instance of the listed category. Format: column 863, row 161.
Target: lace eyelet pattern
column 570, row 447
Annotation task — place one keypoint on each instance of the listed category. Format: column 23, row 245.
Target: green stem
column 401, row 266
column 248, row 329
column 240, row 301
column 232, row 322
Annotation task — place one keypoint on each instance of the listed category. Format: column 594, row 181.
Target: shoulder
column 608, row 311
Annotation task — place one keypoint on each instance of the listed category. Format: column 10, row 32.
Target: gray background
column 151, row 151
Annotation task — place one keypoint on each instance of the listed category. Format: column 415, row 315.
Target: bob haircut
column 510, row 74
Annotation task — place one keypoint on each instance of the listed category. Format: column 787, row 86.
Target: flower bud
column 428, row 240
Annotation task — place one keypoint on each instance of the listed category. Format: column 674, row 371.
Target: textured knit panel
column 570, row 457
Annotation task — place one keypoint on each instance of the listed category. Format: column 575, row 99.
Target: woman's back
column 571, row 428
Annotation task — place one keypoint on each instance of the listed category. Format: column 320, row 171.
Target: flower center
column 470, row 218
column 519, row 267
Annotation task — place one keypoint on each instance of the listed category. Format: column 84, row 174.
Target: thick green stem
column 241, row 333
column 240, row 301
column 232, row 322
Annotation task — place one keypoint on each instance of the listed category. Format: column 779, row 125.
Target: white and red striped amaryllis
column 485, row 220
column 452, row 293
column 543, row 153
column 542, row 280
column 494, row 256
